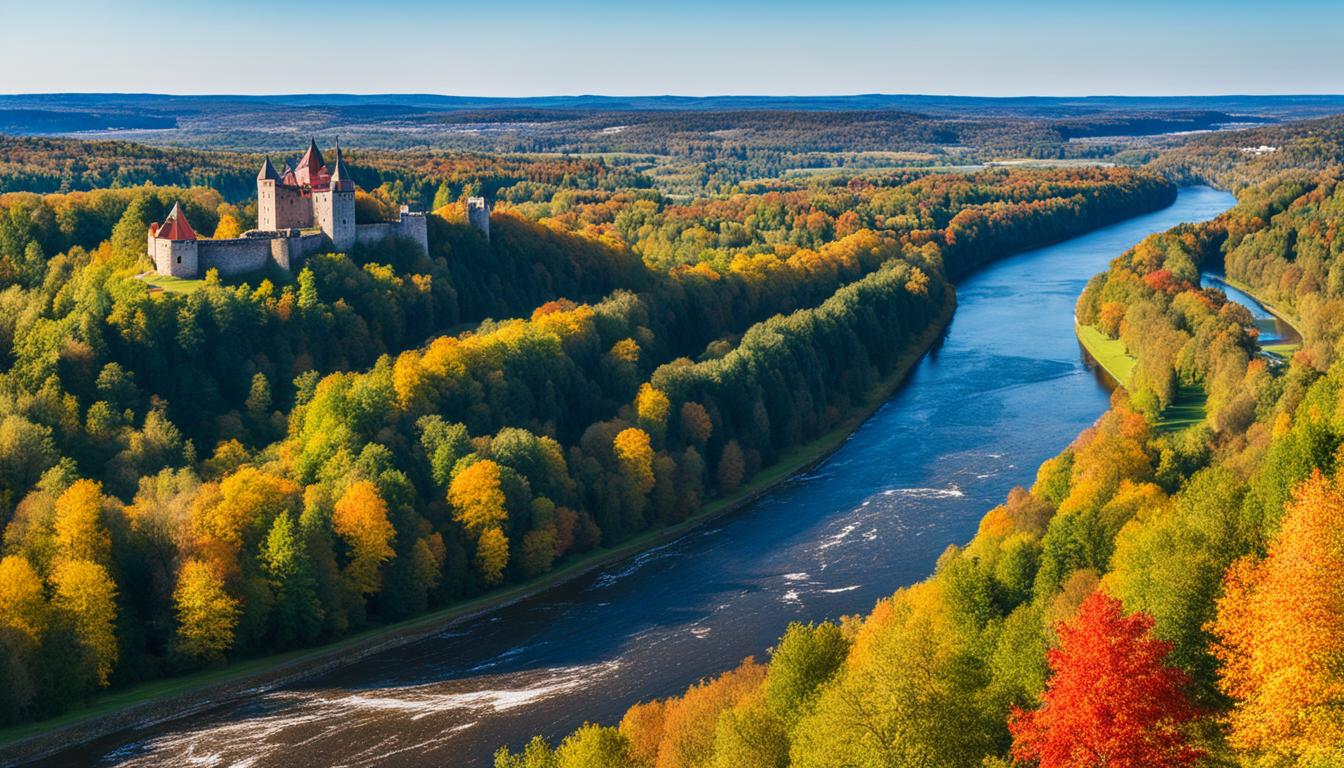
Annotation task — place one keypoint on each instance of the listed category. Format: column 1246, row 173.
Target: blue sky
column 696, row 47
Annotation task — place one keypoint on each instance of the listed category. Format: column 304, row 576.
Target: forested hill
column 193, row 478
column 1159, row 595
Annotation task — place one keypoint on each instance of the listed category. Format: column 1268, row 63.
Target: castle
column 301, row 211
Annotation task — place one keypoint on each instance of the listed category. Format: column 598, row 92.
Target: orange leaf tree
column 1280, row 630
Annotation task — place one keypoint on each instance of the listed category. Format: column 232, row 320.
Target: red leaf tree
column 1111, row 700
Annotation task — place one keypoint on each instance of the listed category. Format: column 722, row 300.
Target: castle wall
column 411, row 226
column 234, row 257
column 289, row 253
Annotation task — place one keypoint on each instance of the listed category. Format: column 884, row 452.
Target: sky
column 694, row 47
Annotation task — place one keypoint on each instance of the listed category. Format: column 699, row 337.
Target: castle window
column 179, row 259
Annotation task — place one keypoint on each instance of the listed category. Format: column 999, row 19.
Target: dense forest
column 191, row 478
column 1156, row 597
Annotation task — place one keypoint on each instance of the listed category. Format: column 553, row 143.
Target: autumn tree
column 206, row 614
column 805, row 657
column 696, row 426
column 1280, row 632
column 492, row 555
column 593, row 746
column 23, row 606
column 635, row 456
column 477, row 497
column 360, row 519
column 732, row 467
column 80, row 534
column 86, row 597
column 1111, row 700
column 652, row 408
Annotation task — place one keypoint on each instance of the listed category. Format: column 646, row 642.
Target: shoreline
column 164, row 700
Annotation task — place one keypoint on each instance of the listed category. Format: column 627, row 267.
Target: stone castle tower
column 309, row 196
column 172, row 245
column 478, row 215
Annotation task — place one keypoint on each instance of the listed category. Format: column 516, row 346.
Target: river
column 1005, row 388
column 1273, row 329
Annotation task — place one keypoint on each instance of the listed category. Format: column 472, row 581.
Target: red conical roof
column 312, row 168
column 176, row 226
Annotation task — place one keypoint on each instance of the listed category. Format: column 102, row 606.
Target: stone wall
column 411, row 226
column 234, row 257
column 289, row 253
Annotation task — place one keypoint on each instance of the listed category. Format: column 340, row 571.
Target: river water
column 1273, row 329
column 1005, row 388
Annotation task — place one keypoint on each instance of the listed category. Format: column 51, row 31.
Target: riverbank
column 1281, row 351
column 1186, row 410
column 164, row 700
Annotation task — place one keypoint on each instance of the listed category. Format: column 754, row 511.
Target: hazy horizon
column 972, row 47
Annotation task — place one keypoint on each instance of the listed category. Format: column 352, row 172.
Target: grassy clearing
column 1188, row 409
column 1281, row 351
column 1109, row 353
column 172, row 284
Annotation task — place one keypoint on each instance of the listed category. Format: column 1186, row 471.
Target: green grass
column 1109, row 353
column 294, row 663
column 1281, row 351
column 173, row 284
column 1188, row 409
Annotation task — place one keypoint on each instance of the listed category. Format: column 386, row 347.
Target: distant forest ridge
column 1268, row 105
column 37, row 114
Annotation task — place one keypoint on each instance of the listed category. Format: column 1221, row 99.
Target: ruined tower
column 478, row 215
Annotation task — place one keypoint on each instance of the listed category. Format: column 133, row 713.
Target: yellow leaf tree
column 206, row 615
column 652, row 407
column 86, row 595
column 23, row 607
column 360, row 518
column 478, row 498
column 634, row 453
column 79, row 530
column 492, row 555
column 1280, row 630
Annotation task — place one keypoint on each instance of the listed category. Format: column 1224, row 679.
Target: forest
column 190, row 479
column 1155, row 597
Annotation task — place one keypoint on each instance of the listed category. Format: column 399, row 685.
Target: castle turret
column 333, row 200
column 268, row 182
column 340, row 175
column 172, row 245
column 478, row 215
